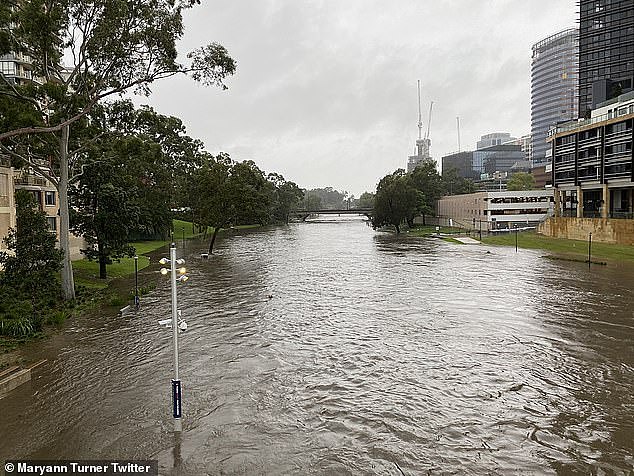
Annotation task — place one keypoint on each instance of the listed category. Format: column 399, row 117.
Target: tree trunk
column 68, row 283
column 213, row 239
column 103, row 273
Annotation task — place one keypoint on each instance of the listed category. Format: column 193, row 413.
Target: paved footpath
column 467, row 241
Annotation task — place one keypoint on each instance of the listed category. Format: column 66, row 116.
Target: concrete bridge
column 304, row 214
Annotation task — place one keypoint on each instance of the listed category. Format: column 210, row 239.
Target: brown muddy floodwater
column 328, row 348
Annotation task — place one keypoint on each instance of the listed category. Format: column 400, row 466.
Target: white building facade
column 497, row 210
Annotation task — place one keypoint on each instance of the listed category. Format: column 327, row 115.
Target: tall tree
column 33, row 261
column 396, row 200
column 115, row 196
column 211, row 200
column 116, row 46
column 286, row 197
column 521, row 181
column 427, row 181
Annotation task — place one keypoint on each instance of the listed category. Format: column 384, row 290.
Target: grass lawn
column 567, row 248
column 87, row 272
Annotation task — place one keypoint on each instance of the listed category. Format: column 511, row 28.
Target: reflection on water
column 329, row 348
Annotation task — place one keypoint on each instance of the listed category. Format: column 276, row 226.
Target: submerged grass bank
column 566, row 249
column 112, row 293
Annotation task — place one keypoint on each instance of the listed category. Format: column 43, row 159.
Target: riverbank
column 568, row 249
column 573, row 250
column 107, row 295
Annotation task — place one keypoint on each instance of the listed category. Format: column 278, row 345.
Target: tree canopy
column 396, row 200
column 427, row 181
column 114, row 47
column 521, row 181
column 33, row 260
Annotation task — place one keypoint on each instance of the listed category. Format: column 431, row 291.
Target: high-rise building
column 554, row 87
column 506, row 158
column 525, row 142
column 462, row 162
column 17, row 68
column 495, row 138
column 422, row 154
column 606, row 51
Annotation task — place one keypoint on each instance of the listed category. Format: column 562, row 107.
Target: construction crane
column 431, row 106
column 420, row 116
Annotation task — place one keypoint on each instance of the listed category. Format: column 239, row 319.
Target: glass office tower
column 554, row 86
column 606, row 51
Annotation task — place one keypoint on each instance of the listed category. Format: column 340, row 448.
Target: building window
column 49, row 198
column 52, row 223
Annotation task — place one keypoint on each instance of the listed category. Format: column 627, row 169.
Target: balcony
column 30, row 180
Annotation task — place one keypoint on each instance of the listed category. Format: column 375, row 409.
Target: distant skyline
column 325, row 91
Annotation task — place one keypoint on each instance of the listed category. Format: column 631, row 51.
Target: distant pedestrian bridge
column 304, row 214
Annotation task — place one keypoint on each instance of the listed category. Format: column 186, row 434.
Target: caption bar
column 109, row 467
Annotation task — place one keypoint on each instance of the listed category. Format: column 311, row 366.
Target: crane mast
column 420, row 116
column 431, row 106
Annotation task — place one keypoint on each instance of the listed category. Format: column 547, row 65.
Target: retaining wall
column 604, row 230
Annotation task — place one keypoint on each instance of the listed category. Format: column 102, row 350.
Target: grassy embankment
column 567, row 249
column 86, row 272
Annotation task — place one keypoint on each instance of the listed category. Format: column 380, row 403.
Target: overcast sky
column 325, row 90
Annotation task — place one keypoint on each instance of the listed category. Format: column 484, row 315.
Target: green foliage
column 427, row 181
column 58, row 317
column 32, row 262
column 115, row 47
column 286, row 197
column 130, row 180
column 224, row 193
column 396, row 200
column 366, row 200
column 29, row 286
column 116, row 300
column 327, row 198
column 521, row 181
column 18, row 326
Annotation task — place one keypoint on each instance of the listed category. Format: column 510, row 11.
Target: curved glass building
column 554, row 86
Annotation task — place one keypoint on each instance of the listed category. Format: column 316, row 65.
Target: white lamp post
column 176, row 383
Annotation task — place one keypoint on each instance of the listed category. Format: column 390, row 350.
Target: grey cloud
column 325, row 91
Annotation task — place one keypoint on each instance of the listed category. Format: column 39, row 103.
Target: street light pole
column 176, row 383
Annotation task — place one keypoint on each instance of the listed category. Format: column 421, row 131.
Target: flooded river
column 328, row 348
